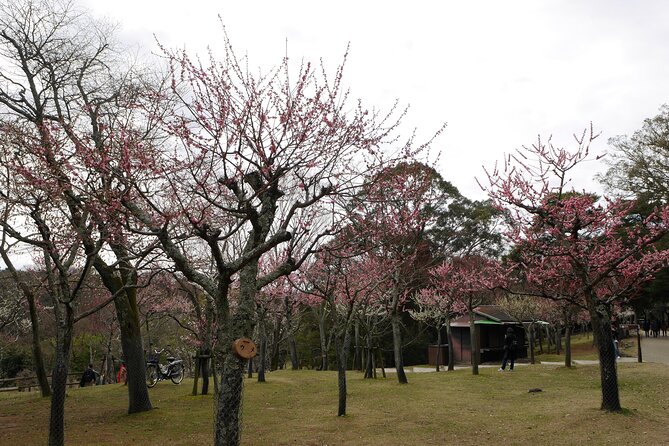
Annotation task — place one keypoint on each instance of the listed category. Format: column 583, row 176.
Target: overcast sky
column 498, row 73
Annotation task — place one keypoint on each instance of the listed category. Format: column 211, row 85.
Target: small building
column 491, row 323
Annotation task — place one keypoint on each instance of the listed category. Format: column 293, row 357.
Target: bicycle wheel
column 151, row 375
column 177, row 374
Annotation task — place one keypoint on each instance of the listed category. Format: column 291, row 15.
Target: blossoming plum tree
column 573, row 246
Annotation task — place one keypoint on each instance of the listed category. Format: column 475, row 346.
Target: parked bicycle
column 174, row 369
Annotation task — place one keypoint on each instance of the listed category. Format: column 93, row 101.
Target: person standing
column 122, row 375
column 88, row 378
column 510, row 345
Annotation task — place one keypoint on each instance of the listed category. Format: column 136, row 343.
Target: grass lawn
column 298, row 408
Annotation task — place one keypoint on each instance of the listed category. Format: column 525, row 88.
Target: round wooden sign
column 244, row 348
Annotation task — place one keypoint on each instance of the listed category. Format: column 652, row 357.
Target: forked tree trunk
column 397, row 348
column 601, row 329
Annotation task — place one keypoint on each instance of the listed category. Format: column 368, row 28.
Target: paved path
column 655, row 349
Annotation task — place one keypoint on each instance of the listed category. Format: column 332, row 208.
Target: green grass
column 581, row 348
column 299, row 408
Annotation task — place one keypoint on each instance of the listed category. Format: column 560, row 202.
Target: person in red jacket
column 122, row 375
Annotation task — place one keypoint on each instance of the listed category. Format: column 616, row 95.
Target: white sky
column 498, row 72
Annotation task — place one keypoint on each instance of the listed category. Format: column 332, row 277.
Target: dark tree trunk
column 292, row 348
column 127, row 313
column 198, row 361
column 205, row 372
column 438, row 348
column 276, row 346
column 474, row 341
column 558, row 339
column 38, row 357
column 131, row 343
column 369, row 363
column 383, row 368
column 531, row 337
column 449, row 339
column 357, row 356
column 567, row 345
column 397, row 348
column 342, row 359
column 65, row 323
column 324, row 342
column 601, row 329
column 263, row 356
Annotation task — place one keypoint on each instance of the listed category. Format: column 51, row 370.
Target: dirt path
column 655, row 349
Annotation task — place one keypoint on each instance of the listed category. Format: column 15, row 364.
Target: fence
column 29, row 383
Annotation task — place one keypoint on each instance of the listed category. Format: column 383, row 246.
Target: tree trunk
column 227, row 430
column 474, row 343
column 383, row 368
column 197, row 371
column 397, row 348
column 369, row 362
column 38, row 356
column 275, row 345
column 228, row 404
column 438, row 348
column 342, row 359
column 541, row 339
column 531, row 337
column 451, row 353
column 127, row 313
column 324, row 342
column 263, row 355
column 59, row 376
column 601, row 329
column 292, row 348
column 357, row 356
column 131, row 343
column 558, row 339
column 205, row 371
column 567, row 345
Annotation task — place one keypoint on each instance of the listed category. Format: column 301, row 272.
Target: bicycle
column 174, row 369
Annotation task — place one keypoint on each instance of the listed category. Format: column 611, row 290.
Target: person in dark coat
column 88, row 378
column 510, row 345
